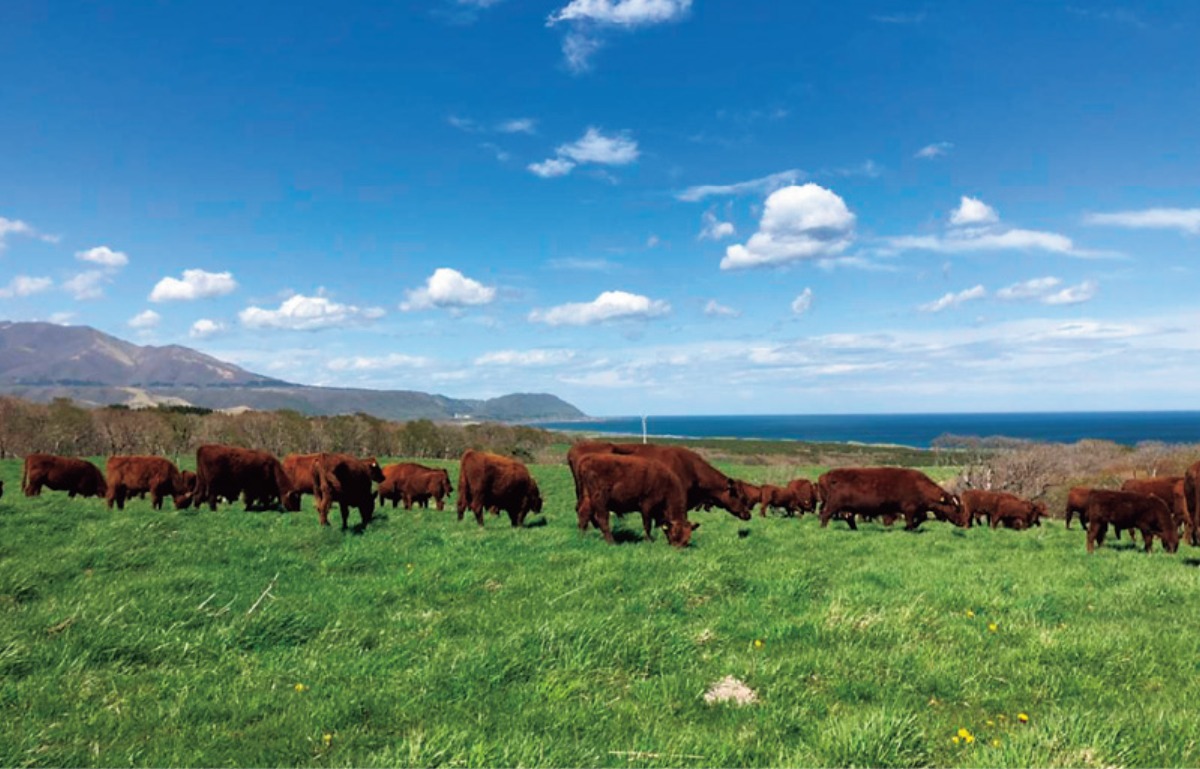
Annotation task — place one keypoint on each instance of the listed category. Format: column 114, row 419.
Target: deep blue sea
column 919, row 430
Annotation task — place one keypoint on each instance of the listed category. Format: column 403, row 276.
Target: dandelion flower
column 995, row 742
column 964, row 733
column 300, row 688
column 327, row 738
column 993, row 627
column 969, row 738
column 954, row 740
column 758, row 643
column 1023, row 717
column 970, row 614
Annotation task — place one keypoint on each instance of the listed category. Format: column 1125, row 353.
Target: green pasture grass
column 127, row 638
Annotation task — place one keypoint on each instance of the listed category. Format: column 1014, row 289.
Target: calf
column 410, row 482
column 74, row 476
column 625, row 484
column 797, row 498
column 1130, row 510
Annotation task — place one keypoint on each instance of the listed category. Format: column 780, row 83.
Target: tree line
column 66, row 428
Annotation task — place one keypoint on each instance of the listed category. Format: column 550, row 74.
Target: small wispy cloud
column 935, row 150
column 588, row 22
column 899, row 18
column 1182, row 219
column 762, row 185
column 953, row 299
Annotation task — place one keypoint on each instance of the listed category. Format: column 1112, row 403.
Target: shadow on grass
column 536, row 523
column 1193, row 562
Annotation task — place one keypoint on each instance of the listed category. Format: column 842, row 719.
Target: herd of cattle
column 662, row 483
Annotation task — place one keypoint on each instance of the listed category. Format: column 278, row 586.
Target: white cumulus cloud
column 589, row 20
column 24, row 285
column 194, row 284
column 87, row 285
column 448, row 287
column 802, row 303
column 594, row 147
column 713, row 228
column 973, row 211
column 1183, row 219
column 954, row 299
column 551, row 167
column 307, row 313
column 1028, row 289
column 145, row 319
column 1078, row 294
column 205, row 328
column 805, row 222
column 103, row 256
column 610, row 305
column 935, row 150
column 715, row 309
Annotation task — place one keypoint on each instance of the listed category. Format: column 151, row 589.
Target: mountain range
column 42, row 361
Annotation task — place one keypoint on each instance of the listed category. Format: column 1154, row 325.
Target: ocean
column 917, row 430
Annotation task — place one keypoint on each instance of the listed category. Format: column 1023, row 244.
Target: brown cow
column 492, row 482
column 624, row 484
column 1077, row 499
column 1170, row 489
column 704, row 484
column 1017, row 513
column 798, row 497
column 158, row 477
column 410, row 482
column 189, row 481
column 889, row 492
column 1130, row 510
column 74, row 476
column 346, row 480
column 299, row 470
column 230, row 472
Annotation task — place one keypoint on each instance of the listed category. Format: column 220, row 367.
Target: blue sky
column 663, row 206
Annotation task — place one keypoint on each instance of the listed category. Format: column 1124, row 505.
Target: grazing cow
column 1191, row 490
column 705, row 485
column 1016, row 513
column 492, row 482
column 1172, row 490
column 1130, row 510
column 410, row 482
column 74, row 476
column 798, row 497
column 889, row 492
column 299, row 470
column 347, row 481
column 189, row 480
column 624, row 484
column 1077, row 499
column 231, row 472
column 158, row 477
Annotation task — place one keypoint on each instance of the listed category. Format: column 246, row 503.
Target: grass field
column 126, row 638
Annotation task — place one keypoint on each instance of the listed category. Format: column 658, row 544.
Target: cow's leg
column 648, row 522
column 849, row 518
column 1147, row 538
column 604, row 523
column 439, row 503
column 825, row 515
column 477, row 509
column 407, row 501
column 583, row 514
column 323, row 505
column 344, row 509
column 156, row 499
column 1093, row 535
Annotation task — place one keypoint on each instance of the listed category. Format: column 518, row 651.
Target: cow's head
column 1037, row 513
column 734, row 499
column 375, row 471
column 291, row 501
column 183, row 501
column 679, row 533
column 533, row 498
column 949, row 507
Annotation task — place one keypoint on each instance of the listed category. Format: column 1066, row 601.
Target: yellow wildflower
column 995, row 742
column 969, row 738
column 970, row 614
column 1023, row 718
column 990, row 723
column 758, row 643
column 962, row 732
column 327, row 738
column 993, row 627
column 954, row 740
column 300, row 688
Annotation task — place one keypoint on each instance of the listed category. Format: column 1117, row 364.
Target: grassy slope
column 430, row 642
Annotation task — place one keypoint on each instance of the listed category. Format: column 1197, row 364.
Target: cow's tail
column 284, row 483
column 464, row 489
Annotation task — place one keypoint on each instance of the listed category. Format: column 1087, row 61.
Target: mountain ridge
column 42, row 361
